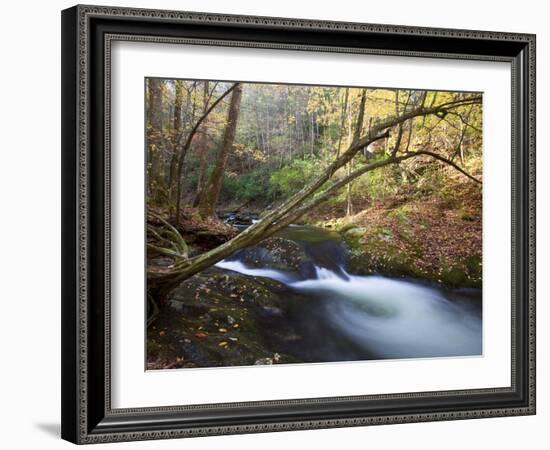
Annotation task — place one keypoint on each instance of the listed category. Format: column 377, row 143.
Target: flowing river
column 338, row 316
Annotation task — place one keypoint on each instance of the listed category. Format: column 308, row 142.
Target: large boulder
column 217, row 318
column 275, row 253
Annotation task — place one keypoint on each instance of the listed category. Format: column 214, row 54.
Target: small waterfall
column 238, row 266
column 322, row 273
column 392, row 318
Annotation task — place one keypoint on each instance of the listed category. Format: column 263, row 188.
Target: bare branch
column 449, row 162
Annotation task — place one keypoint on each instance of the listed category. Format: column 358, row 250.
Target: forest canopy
column 287, row 134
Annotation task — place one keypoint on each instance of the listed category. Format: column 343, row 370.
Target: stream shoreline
column 249, row 310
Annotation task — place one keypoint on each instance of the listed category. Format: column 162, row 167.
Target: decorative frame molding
column 88, row 31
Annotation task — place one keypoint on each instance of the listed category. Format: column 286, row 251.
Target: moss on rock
column 415, row 240
column 215, row 319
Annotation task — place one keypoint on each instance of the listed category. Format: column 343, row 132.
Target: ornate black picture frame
column 87, row 34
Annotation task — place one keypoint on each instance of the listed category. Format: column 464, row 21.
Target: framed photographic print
column 281, row 224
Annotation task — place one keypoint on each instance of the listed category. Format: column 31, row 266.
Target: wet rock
column 274, row 253
column 272, row 311
column 330, row 254
column 181, row 306
column 239, row 218
column 216, row 318
column 355, row 232
column 268, row 361
column 308, row 270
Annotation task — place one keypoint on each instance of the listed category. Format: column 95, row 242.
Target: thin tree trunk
column 312, row 135
column 342, row 122
column 356, row 136
column 463, row 128
column 349, row 203
column 176, row 135
column 349, row 206
column 154, row 133
column 202, row 148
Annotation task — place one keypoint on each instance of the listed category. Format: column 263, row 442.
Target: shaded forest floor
column 419, row 238
column 436, row 237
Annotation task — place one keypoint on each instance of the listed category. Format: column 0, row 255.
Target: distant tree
column 176, row 134
column 154, row 133
column 202, row 146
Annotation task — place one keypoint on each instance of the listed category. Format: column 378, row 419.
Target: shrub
column 251, row 186
column 292, row 177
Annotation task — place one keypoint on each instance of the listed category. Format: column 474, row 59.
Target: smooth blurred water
column 396, row 318
column 377, row 316
column 238, row 266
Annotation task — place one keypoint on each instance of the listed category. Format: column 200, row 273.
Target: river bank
column 419, row 239
column 428, row 238
column 294, row 298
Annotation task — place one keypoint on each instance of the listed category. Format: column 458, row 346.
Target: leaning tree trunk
column 210, row 195
column 310, row 196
